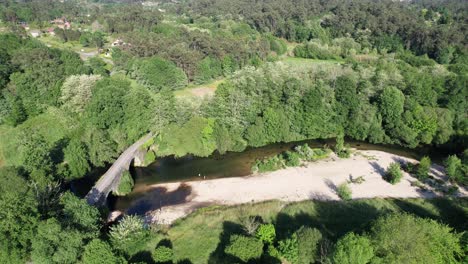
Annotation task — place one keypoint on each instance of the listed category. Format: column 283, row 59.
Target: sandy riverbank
column 317, row 180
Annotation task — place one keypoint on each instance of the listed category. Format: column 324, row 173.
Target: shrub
column 266, row 233
column 424, row 166
column 150, row 157
column 129, row 235
column 291, row 159
column 344, row 192
column 308, row 240
column 453, row 167
column 126, row 184
column 394, row 173
column 353, row 249
column 244, row 248
column 269, row 164
column 288, row 248
column 162, row 254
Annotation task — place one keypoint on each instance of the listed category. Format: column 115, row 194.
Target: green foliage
column 289, row 248
column 107, row 106
column 128, row 235
column 454, row 168
column 19, row 214
column 403, row 238
column 308, row 241
column 126, row 184
column 97, row 252
column 150, row 157
column 78, row 214
column 193, row 137
column 422, row 170
column 394, row 173
column 269, row 164
column 244, row 248
column 76, row 92
column 291, row 159
column 266, row 233
column 344, row 192
column 55, row 244
column 353, row 249
column 158, row 74
column 391, row 104
column 76, row 157
column 162, row 254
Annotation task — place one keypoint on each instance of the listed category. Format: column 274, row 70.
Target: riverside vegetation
column 385, row 72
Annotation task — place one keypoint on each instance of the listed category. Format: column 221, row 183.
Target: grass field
column 201, row 237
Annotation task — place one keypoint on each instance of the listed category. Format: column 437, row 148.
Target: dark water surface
column 232, row 164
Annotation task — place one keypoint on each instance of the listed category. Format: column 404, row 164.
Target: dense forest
column 384, row 72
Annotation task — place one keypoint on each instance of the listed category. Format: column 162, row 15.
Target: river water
column 231, row 164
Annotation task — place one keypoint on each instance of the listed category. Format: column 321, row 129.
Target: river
column 231, row 164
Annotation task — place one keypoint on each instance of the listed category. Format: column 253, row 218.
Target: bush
column 288, row 248
column 269, row 164
column 162, row 254
column 291, row 159
column 344, row 192
column 126, row 184
column 422, row 172
column 308, row 240
column 266, row 233
column 453, row 167
column 244, row 248
column 353, row 249
column 394, row 173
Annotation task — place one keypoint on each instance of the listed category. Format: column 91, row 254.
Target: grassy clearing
column 199, row 90
column 55, row 42
column 52, row 126
column 201, row 236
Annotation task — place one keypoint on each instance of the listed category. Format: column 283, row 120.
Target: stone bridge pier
column 111, row 179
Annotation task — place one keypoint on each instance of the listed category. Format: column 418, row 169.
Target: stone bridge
column 111, row 179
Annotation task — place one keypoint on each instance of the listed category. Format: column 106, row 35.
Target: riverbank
column 317, row 180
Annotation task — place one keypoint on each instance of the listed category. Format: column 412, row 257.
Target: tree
column 453, row 167
column 244, row 248
column 54, row 244
column 77, row 91
column 391, row 105
column 106, row 108
column 98, row 252
column 158, row 74
column 353, row 249
column 35, row 155
column 129, row 235
column 79, row 215
column 266, row 233
column 423, row 168
column 308, row 240
column 403, row 238
column 76, row 157
column 18, row 213
column 394, row 173
column 289, row 248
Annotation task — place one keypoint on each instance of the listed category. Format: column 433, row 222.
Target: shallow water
column 232, row 164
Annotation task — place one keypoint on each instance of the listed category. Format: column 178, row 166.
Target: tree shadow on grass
column 332, row 218
column 142, row 257
column 218, row 256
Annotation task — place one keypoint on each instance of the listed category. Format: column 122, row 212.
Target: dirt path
column 315, row 181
